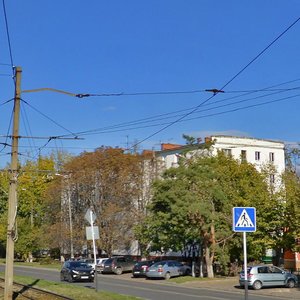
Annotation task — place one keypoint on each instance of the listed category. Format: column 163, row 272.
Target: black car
column 76, row 271
column 141, row 267
column 118, row 265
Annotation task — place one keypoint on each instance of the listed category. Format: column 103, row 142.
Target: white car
column 268, row 275
column 100, row 264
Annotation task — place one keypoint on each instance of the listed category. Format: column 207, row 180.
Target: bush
column 46, row 261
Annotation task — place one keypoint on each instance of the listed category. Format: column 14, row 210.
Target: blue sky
column 135, row 46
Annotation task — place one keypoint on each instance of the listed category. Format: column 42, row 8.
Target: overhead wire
column 50, row 119
column 27, row 127
column 8, row 36
column 174, row 114
column 7, row 101
column 118, row 129
column 222, row 88
column 5, row 144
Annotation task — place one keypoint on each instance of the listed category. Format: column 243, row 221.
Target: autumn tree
column 4, row 187
column 32, row 183
column 106, row 180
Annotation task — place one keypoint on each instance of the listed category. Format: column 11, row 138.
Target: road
column 164, row 290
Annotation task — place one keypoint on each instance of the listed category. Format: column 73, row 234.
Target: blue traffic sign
column 244, row 219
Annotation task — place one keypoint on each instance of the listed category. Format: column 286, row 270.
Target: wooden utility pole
column 12, row 196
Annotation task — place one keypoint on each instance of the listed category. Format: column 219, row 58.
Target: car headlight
column 75, row 272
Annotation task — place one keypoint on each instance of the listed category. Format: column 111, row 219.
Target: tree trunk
column 209, row 263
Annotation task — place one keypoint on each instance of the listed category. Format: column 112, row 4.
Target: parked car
column 100, row 264
column 118, row 265
column 141, row 267
column 167, row 269
column 267, row 275
column 89, row 261
column 76, row 271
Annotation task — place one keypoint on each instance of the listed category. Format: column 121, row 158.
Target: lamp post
column 66, row 194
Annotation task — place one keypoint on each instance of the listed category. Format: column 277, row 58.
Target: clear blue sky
column 137, row 46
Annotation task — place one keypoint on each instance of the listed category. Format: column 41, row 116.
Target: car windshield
column 248, row 270
column 143, row 263
column 108, row 261
column 78, row 264
column 160, row 263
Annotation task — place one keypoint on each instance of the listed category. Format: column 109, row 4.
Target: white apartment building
column 258, row 152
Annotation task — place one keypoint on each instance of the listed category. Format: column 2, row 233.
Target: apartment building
column 258, row 152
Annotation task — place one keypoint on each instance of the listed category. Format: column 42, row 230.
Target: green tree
column 195, row 200
column 32, row 185
column 290, row 229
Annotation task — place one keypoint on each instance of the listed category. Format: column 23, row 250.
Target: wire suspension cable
column 222, row 88
column 73, row 134
column 8, row 36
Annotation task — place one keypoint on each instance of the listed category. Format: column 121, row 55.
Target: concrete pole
column 70, row 218
column 12, row 195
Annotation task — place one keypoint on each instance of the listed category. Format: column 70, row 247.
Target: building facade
column 261, row 153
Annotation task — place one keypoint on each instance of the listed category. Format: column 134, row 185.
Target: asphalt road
column 164, row 290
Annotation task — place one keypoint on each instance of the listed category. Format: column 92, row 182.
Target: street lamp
column 66, row 177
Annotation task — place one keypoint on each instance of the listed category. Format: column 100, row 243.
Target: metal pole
column 245, row 265
column 94, row 249
column 12, row 196
column 70, row 218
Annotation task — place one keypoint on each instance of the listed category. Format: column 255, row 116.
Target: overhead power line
column 8, row 36
column 178, row 113
column 223, row 87
column 50, row 119
column 141, row 124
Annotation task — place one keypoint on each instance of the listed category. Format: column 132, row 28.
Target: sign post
column 244, row 220
column 91, row 217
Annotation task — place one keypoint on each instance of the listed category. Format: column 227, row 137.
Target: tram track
column 24, row 292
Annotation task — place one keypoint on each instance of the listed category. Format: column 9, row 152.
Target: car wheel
column 70, row 279
column 167, row 276
column 119, row 271
column 291, row 283
column 257, row 285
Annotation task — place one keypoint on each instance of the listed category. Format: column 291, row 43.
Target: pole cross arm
column 51, row 90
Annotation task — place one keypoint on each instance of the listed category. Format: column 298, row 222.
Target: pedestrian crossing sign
column 244, row 219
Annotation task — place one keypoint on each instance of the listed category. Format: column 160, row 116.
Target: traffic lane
column 228, row 284
column 116, row 283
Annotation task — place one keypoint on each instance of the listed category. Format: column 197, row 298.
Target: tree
column 32, row 184
column 108, row 181
column 290, row 227
column 195, row 200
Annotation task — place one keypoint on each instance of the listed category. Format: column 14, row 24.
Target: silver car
column 167, row 269
column 268, row 275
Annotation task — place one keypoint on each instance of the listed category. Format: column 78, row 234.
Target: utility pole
column 12, row 196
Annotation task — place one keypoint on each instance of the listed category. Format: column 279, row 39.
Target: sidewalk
column 232, row 284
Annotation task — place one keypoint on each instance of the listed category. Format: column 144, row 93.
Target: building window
column 257, row 155
column 244, row 155
column 271, row 156
column 227, row 152
column 272, row 179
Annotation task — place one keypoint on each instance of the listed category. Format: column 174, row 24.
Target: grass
column 72, row 291
column 56, row 265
